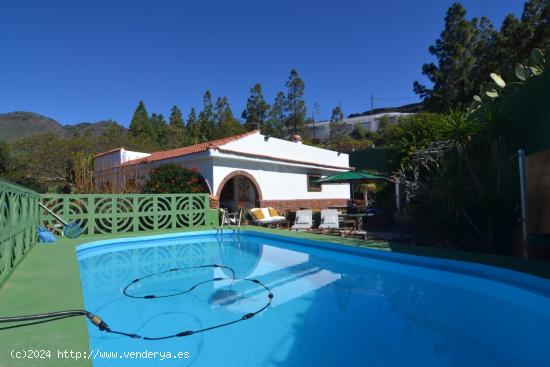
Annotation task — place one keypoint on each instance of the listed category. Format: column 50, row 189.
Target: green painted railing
column 119, row 213
column 18, row 222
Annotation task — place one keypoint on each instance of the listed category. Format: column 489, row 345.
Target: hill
column 19, row 125
column 94, row 129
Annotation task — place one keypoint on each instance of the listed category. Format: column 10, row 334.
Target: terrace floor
column 48, row 280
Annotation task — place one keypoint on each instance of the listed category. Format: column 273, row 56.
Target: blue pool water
column 333, row 305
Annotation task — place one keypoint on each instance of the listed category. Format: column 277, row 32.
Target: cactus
column 537, row 57
column 498, row 80
column 521, row 72
column 492, row 93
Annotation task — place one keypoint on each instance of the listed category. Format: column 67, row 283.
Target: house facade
column 246, row 170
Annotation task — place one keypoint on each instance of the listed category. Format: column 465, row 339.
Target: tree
column 174, row 179
column 227, row 124
column 159, row 127
column 359, row 132
column 140, row 124
column 295, row 104
column 47, row 158
column 276, row 120
column 5, row 158
column 193, row 128
column 257, row 109
column 510, row 46
column 175, row 130
column 337, row 126
column 206, row 119
column 176, row 117
column 536, row 23
column 456, row 50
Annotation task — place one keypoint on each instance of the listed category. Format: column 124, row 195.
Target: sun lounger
column 304, row 220
column 266, row 216
column 329, row 220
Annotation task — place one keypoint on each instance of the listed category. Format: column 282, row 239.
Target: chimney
column 297, row 139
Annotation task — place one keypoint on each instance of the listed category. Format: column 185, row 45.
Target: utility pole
column 315, row 112
column 372, row 103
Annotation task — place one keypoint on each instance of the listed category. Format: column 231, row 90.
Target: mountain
column 18, row 125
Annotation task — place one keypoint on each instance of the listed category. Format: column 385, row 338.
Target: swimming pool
column 332, row 305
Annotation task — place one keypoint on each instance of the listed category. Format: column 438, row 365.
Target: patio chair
column 304, row 220
column 329, row 220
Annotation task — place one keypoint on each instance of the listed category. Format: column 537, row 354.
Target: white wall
column 256, row 144
column 115, row 158
column 370, row 122
column 278, row 181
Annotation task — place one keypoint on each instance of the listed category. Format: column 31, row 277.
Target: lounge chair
column 304, row 220
column 329, row 220
column 266, row 216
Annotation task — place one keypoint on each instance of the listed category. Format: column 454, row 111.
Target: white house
column 248, row 170
column 371, row 123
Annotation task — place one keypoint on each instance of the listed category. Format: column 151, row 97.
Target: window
column 311, row 184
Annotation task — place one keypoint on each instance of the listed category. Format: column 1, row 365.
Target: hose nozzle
column 97, row 321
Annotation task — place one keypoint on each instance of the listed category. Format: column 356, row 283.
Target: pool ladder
column 226, row 215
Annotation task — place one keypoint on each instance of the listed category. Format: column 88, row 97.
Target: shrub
column 174, row 179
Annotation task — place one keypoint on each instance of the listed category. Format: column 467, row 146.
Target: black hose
column 102, row 325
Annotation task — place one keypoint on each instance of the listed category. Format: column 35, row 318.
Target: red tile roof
column 216, row 144
column 192, row 149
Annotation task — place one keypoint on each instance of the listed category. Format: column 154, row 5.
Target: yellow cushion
column 273, row 212
column 258, row 215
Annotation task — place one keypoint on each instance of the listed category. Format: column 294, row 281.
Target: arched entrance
column 239, row 190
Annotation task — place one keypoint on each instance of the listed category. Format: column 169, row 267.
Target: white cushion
column 271, row 219
column 266, row 213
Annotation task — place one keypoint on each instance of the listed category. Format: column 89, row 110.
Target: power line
column 393, row 99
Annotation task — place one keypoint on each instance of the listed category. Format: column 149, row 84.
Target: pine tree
column 276, row 121
column 226, row 122
column 193, row 128
column 256, row 112
column 175, row 130
column 511, row 45
column 140, row 124
column 337, row 126
column 295, row 104
column 207, row 128
column 176, row 117
column 485, row 39
column 159, row 127
column 536, row 25
column 455, row 50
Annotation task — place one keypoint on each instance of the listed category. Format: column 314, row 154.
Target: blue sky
column 80, row 61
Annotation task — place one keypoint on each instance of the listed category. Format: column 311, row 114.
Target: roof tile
column 192, row 149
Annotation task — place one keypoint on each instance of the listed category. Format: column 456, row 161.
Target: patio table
column 358, row 217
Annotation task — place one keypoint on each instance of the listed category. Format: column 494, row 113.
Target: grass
column 48, row 279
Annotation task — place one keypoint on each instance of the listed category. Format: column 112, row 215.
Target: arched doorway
column 239, row 190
